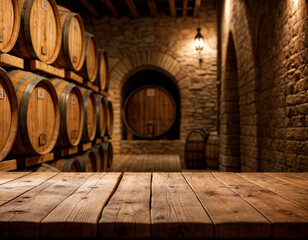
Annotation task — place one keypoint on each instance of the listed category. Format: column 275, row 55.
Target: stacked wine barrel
column 42, row 114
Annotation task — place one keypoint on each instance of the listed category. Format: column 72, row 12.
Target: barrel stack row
column 39, row 113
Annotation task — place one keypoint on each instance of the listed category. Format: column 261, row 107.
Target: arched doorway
column 230, row 116
column 154, row 100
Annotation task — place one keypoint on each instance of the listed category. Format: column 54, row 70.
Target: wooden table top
column 153, row 205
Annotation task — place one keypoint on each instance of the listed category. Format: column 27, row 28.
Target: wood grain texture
column 175, row 210
column 291, row 178
column 149, row 112
column 8, row 113
column 40, row 32
column 72, row 52
column 38, row 113
column 127, row 214
column 103, row 75
column 101, row 113
column 22, row 183
column 36, row 65
column 21, row 217
column 9, row 24
column 90, row 65
column 7, row 60
column 289, row 220
column 77, row 216
column 233, row 217
column 10, row 176
column 291, row 192
column 146, row 163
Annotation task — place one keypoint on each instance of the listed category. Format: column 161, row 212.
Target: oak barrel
column 87, row 161
column 45, row 167
column 149, row 111
column 109, row 127
column 8, row 113
column 40, row 31
column 101, row 113
column 90, row 65
column 67, row 165
column 101, row 157
column 109, row 150
column 195, row 147
column 102, row 79
column 71, row 112
column 9, row 24
column 89, row 124
column 73, row 45
column 212, row 152
column 38, row 111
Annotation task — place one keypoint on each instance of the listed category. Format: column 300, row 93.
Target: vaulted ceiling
column 133, row 8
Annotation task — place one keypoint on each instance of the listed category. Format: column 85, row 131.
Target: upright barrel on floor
column 102, row 79
column 89, row 125
column 9, row 24
column 71, row 112
column 149, row 112
column 195, row 147
column 90, row 65
column 72, row 52
column 40, row 31
column 8, row 113
column 39, row 115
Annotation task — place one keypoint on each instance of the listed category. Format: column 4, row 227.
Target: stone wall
column 271, row 75
column 163, row 44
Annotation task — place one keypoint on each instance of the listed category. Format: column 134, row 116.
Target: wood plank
column 98, row 140
column 233, row 217
column 127, row 214
column 90, row 85
column 172, row 8
column 13, row 189
column 291, row 192
column 7, row 60
column 185, row 4
column 90, row 7
column 132, row 7
column 61, row 152
column 73, row 76
column 36, row 65
column 197, row 8
column 290, row 178
column 301, row 174
column 108, row 4
column 34, row 160
column 105, row 94
column 288, row 218
column 84, row 146
column 10, row 176
column 21, row 217
column 152, row 8
column 175, row 210
column 8, row 165
column 77, row 216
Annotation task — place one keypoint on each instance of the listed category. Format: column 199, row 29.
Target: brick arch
column 147, row 60
column 131, row 64
column 247, row 84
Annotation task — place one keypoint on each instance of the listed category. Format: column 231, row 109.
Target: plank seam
column 268, row 219
column 107, row 201
column 16, row 178
column 150, row 206
column 29, row 188
column 214, row 229
column 274, row 190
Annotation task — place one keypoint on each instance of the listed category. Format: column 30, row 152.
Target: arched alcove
column 151, row 79
column 230, row 116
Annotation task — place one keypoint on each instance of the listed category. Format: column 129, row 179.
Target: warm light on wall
column 198, row 40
